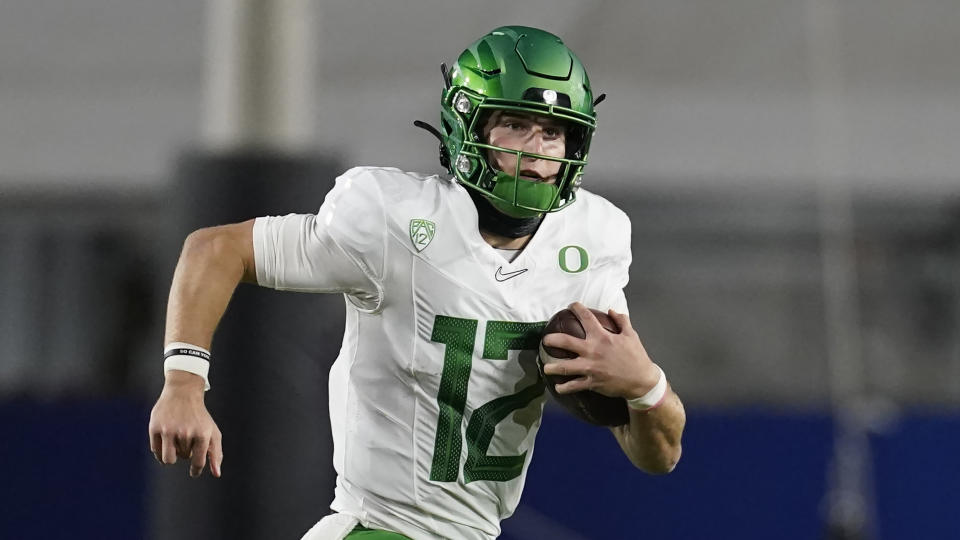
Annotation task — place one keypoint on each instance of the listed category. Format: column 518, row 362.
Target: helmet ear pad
column 486, row 120
column 482, row 134
column 576, row 141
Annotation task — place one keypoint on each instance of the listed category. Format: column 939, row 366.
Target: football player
column 436, row 397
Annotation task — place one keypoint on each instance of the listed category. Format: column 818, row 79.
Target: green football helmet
column 519, row 69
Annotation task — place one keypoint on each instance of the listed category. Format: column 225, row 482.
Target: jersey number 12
column 459, row 336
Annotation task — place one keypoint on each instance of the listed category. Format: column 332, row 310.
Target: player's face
column 529, row 133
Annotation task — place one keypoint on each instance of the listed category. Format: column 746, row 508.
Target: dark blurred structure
column 271, row 398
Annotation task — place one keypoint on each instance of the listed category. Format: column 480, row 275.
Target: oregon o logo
column 573, row 259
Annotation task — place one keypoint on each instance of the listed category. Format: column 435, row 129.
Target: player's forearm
column 652, row 439
column 212, row 263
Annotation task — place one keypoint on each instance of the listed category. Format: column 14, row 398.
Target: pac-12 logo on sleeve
column 422, row 232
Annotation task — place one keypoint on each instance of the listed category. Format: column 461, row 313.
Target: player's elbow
column 227, row 244
column 659, row 463
column 206, row 244
column 665, row 467
column 199, row 239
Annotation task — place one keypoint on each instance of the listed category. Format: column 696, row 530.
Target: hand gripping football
column 586, row 405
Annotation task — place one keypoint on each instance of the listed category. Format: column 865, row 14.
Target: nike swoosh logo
column 503, row 276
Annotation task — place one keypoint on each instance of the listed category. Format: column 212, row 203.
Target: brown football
column 586, row 405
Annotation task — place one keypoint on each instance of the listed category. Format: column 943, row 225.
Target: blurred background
column 791, row 168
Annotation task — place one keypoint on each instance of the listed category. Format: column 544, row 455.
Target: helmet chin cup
column 521, row 198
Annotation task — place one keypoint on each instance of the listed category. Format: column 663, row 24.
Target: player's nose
column 534, row 142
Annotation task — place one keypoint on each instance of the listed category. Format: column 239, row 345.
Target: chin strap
column 444, row 156
column 423, row 125
column 493, row 221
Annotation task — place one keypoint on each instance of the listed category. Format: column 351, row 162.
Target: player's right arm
column 338, row 250
column 212, row 263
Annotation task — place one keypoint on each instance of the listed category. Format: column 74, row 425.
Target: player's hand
column 614, row 365
column 180, row 425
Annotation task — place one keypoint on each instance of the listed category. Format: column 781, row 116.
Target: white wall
column 104, row 92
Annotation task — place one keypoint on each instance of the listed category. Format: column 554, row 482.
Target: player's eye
column 552, row 132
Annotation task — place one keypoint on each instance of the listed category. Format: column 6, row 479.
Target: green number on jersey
column 459, row 336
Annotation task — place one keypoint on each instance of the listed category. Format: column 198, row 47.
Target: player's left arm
column 617, row 365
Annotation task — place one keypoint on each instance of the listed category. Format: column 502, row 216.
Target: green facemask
column 523, row 70
column 521, row 198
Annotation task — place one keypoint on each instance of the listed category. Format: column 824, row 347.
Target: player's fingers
column 565, row 341
column 198, row 455
column 576, row 385
column 183, row 442
column 587, row 318
column 623, row 322
column 565, row 368
column 168, row 452
column 216, row 454
column 156, row 445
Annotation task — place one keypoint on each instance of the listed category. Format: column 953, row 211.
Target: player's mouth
column 532, row 176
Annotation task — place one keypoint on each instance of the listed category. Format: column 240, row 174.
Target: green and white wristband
column 189, row 358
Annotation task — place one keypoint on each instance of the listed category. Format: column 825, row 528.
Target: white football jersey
column 435, row 397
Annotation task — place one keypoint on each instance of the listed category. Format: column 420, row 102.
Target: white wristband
column 653, row 398
column 189, row 358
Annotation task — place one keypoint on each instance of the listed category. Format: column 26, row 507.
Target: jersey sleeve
column 341, row 248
